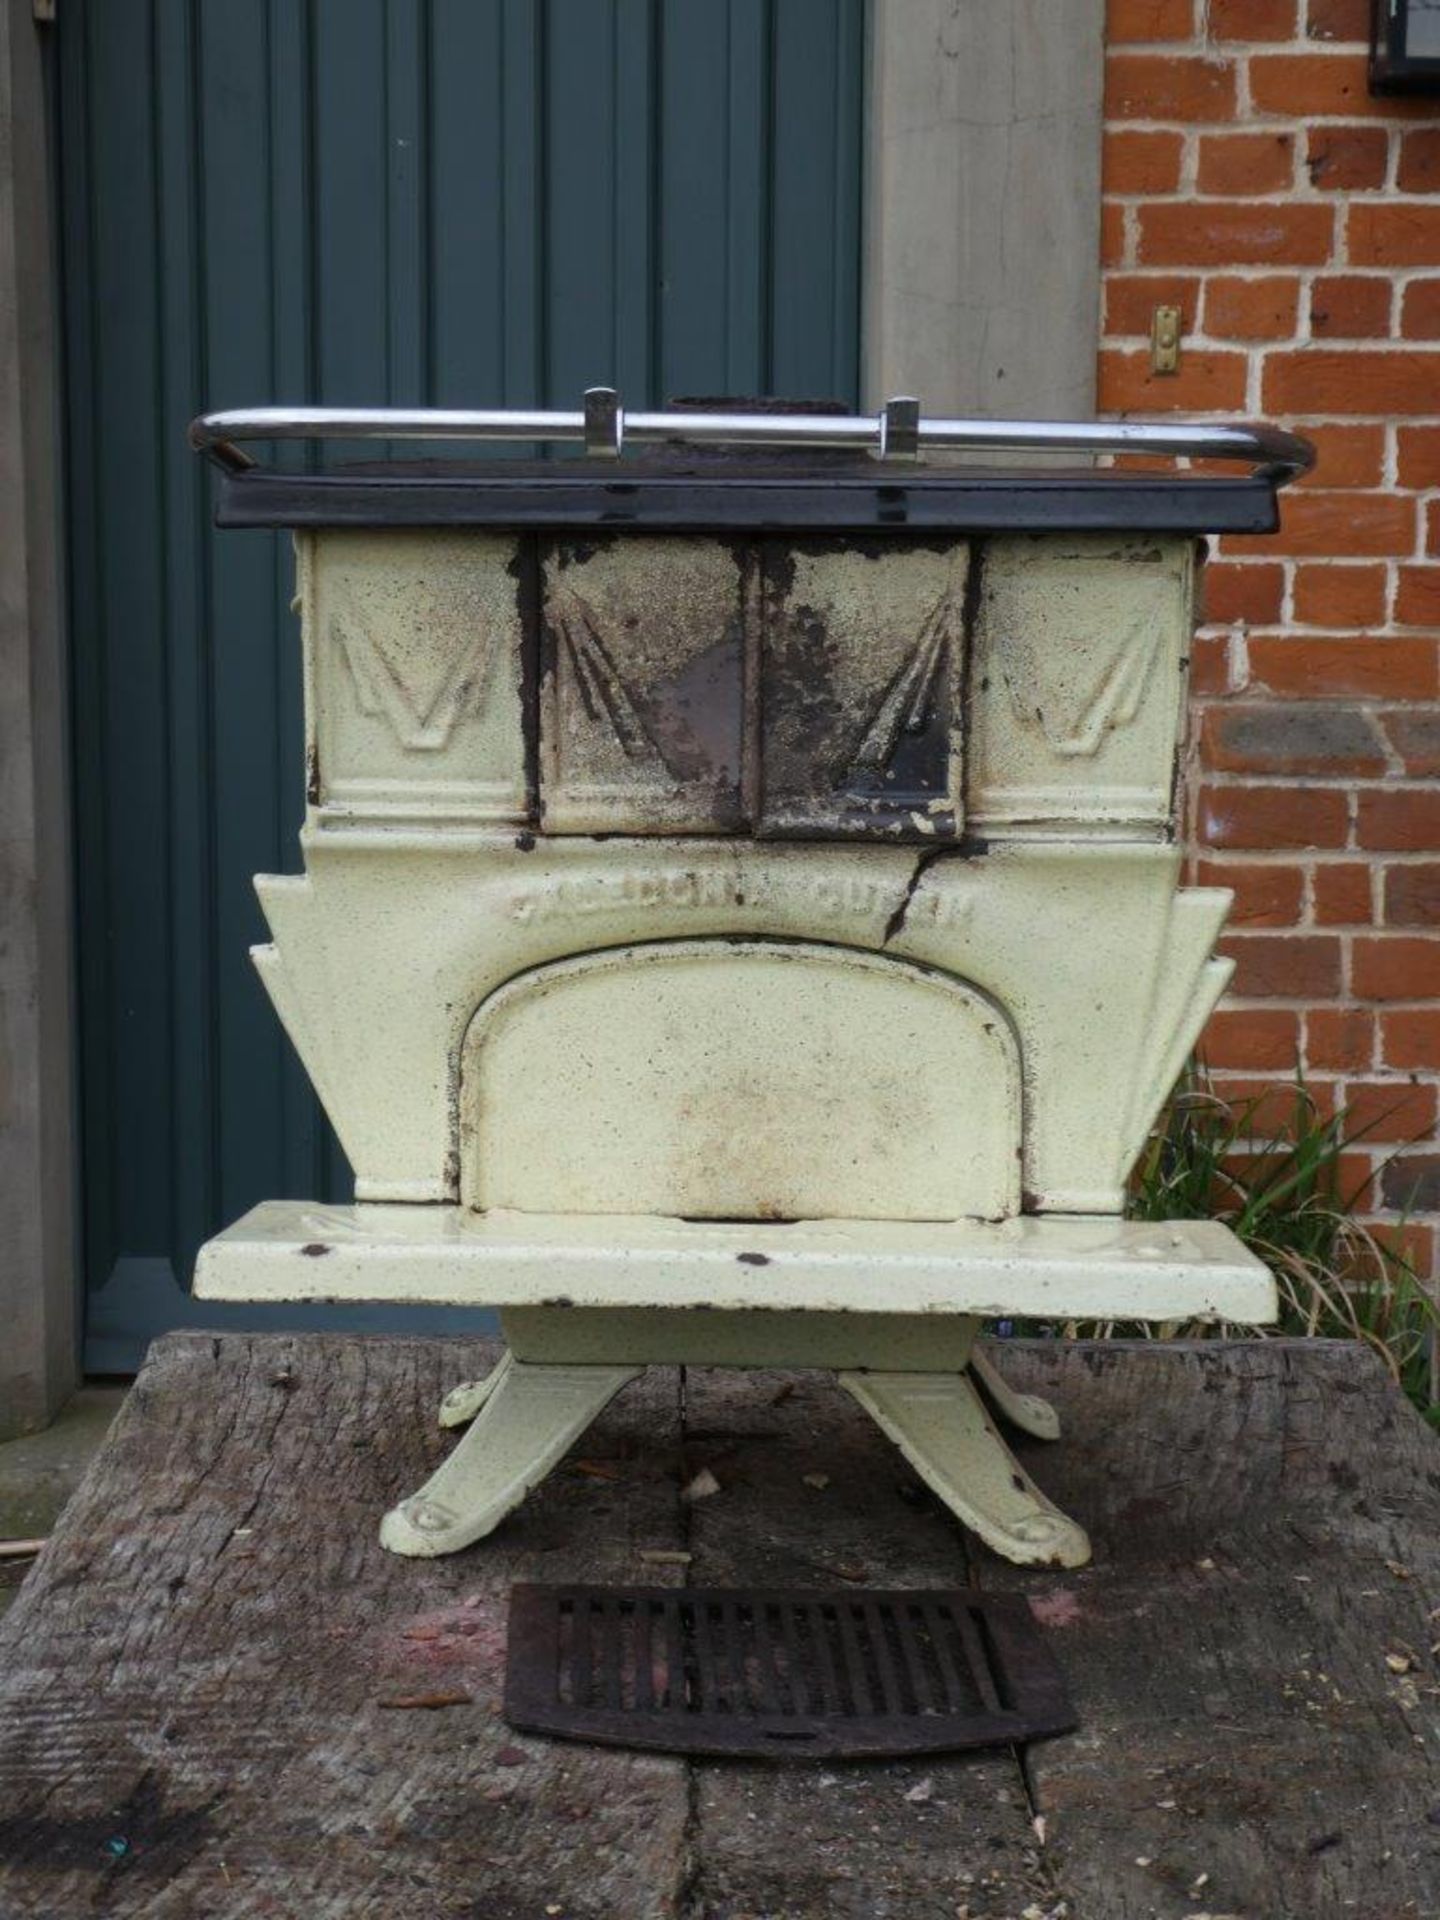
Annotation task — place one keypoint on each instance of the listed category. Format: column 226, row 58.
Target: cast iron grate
column 785, row 1674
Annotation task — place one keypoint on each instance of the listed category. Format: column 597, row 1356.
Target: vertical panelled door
column 452, row 202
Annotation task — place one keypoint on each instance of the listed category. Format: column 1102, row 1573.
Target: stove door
column 741, row 1080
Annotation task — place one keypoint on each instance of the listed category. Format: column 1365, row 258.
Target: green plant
column 1271, row 1168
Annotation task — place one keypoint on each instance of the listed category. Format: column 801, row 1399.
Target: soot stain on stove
column 524, row 570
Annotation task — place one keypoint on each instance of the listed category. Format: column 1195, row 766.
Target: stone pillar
column 982, row 275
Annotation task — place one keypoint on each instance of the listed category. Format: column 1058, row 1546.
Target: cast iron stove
column 741, row 920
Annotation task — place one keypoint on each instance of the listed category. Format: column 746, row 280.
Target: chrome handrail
column 897, row 432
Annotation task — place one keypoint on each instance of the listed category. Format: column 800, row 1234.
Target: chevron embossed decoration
column 910, row 697
column 862, row 658
column 1080, row 662
column 415, row 679
column 422, row 693
column 1076, row 700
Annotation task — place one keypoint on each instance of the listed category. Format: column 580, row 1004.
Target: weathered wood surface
column 191, row 1684
column 842, row 1842
column 1266, row 1524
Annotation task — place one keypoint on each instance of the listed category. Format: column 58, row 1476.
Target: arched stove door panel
column 743, row 1080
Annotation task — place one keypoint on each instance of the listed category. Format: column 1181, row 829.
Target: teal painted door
column 460, row 202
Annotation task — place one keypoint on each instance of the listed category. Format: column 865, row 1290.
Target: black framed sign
column 1405, row 47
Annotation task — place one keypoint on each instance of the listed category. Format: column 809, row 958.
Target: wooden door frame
column 980, row 295
column 39, row 1282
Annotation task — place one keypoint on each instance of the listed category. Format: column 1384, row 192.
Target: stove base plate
column 1047, row 1266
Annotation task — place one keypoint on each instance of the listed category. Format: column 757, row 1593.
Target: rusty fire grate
column 790, row 1674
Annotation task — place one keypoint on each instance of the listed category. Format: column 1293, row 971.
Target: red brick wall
column 1252, row 180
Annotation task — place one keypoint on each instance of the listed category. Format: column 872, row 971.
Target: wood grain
column 1264, row 1516
column 843, row 1842
column 201, row 1682
column 191, row 1683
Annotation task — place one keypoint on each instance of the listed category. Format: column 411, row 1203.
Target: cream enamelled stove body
column 741, row 921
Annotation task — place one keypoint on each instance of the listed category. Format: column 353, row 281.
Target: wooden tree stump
column 218, row 1696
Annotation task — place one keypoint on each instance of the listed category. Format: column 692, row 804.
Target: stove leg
column 1024, row 1410
column 939, row 1424
column 462, row 1403
column 526, row 1418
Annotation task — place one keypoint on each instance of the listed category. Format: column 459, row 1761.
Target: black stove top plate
column 749, row 493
